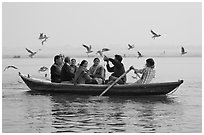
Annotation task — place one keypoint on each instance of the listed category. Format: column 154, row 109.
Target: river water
column 24, row 111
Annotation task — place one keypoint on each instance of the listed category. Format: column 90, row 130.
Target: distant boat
column 17, row 56
column 183, row 51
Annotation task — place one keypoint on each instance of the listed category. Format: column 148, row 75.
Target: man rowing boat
column 118, row 69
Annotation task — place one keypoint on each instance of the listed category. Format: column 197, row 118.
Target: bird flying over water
column 88, row 48
column 100, row 53
column 45, row 39
column 130, row 46
column 31, row 52
column 10, row 67
column 183, row 51
column 43, row 69
column 154, row 34
column 105, row 50
column 139, row 54
column 41, row 36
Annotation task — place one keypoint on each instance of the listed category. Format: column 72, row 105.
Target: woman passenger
column 81, row 75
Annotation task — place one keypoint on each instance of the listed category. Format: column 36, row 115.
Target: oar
column 110, row 86
column 137, row 74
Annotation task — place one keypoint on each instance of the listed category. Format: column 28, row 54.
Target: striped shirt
column 147, row 75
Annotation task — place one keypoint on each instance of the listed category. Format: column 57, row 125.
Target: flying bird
column 44, row 39
column 10, row 67
column 31, row 52
column 105, row 49
column 139, row 54
column 88, row 48
column 154, row 34
column 41, row 36
column 130, row 46
column 100, row 53
column 43, row 69
column 183, row 51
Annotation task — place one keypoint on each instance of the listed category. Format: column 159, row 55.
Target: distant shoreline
column 92, row 56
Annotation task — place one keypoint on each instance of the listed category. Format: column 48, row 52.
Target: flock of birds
column 44, row 38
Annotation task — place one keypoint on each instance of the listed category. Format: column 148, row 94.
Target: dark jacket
column 118, row 69
column 55, row 73
column 66, row 74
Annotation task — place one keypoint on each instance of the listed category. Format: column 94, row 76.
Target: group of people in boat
column 65, row 70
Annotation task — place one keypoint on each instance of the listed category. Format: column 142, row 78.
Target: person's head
column 73, row 61
column 96, row 61
column 150, row 62
column 58, row 59
column 63, row 57
column 67, row 59
column 118, row 58
column 84, row 64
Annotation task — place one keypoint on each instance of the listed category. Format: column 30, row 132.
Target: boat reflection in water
column 93, row 114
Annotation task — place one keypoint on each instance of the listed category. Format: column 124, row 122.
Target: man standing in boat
column 56, row 69
column 118, row 69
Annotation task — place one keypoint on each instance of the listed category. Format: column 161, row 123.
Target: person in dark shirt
column 56, row 69
column 117, row 69
column 66, row 74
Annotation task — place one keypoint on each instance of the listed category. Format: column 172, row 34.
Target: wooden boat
column 36, row 84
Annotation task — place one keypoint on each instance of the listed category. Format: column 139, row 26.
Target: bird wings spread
column 29, row 50
column 153, row 32
column 86, row 47
column 129, row 46
column 10, row 67
column 105, row 49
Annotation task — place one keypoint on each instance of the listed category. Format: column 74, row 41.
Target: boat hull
column 94, row 89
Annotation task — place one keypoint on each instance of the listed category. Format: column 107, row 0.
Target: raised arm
column 115, row 63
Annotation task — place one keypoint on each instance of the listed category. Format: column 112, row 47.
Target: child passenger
column 148, row 73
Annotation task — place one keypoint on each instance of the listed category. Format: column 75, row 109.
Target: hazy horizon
column 102, row 24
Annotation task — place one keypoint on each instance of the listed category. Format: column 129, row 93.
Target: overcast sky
column 112, row 25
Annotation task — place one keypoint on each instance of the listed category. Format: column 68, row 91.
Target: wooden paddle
column 110, row 86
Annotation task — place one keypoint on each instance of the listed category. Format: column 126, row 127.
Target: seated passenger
column 66, row 74
column 55, row 69
column 148, row 73
column 73, row 66
column 81, row 75
column 117, row 69
column 97, row 72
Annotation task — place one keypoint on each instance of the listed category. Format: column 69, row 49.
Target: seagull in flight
column 10, row 67
column 31, row 52
column 88, row 48
column 130, row 46
column 154, row 34
column 183, row 51
column 139, row 54
column 45, row 39
column 100, row 53
column 105, row 49
column 43, row 69
column 41, row 36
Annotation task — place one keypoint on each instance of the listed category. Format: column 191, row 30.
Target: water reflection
column 73, row 113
